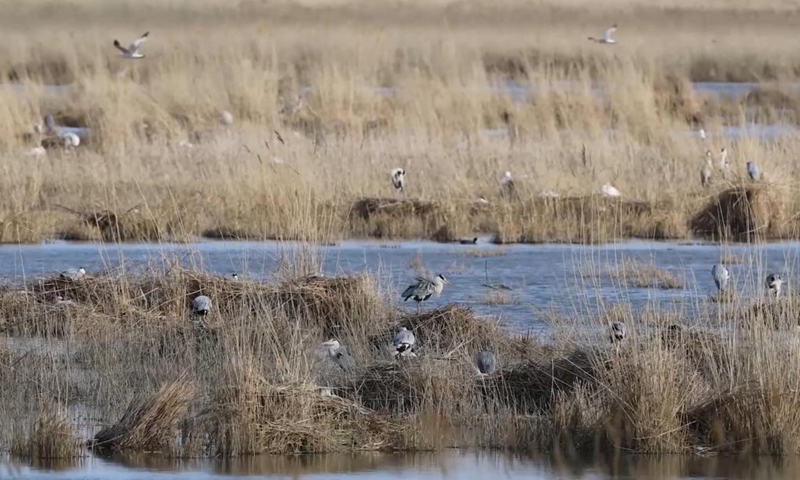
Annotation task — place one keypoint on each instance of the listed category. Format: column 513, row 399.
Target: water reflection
column 448, row 464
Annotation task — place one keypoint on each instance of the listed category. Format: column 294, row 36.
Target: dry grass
column 52, row 436
column 637, row 274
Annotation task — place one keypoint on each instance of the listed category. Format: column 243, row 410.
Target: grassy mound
column 748, row 213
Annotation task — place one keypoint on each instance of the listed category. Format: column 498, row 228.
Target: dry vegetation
column 419, row 86
column 127, row 368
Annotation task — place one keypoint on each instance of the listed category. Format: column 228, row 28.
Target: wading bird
column 706, row 171
column 73, row 273
column 721, row 276
column 607, row 36
column 753, row 172
column 424, row 288
column 132, row 52
column 774, row 283
column 404, row 341
column 486, row 363
column 618, row 332
column 201, row 305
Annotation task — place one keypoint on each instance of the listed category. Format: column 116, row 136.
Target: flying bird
column 774, row 283
column 132, row 52
column 399, row 179
column 404, row 341
column 721, row 276
column 607, row 36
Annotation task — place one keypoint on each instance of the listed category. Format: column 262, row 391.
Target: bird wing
column 404, row 337
column 408, row 292
column 121, row 48
column 138, row 43
column 607, row 35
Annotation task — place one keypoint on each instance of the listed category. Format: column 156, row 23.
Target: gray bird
column 618, row 331
column 399, row 179
column 468, row 241
column 338, row 354
column 774, row 283
column 706, row 171
column 721, row 276
column 424, row 288
column 201, row 305
column 404, row 341
column 486, row 362
column 753, row 172
column 73, row 274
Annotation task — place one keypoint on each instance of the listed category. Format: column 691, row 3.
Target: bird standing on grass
column 73, row 274
column 753, row 172
column 486, row 363
column 507, row 183
column 774, row 283
column 706, row 171
column 609, row 190
column 132, row 52
column 723, row 162
column 607, row 37
column 201, row 305
column 721, row 276
column 404, row 341
column 424, row 289
column 338, row 354
column 618, row 332
column 399, row 180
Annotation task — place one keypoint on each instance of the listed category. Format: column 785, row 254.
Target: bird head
column 82, row 271
column 444, row 280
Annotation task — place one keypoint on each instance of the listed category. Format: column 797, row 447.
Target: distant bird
column 721, row 276
column 201, row 305
column 753, row 172
column 69, row 139
column 774, row 283
column 486, row 362
column 424, row 288
column 508, row 184
column 702, row 134
column 59, row 137
column 132, row 52
column 60, row 302
column 404, row 341
column 399, row 179
column 548, row 194
column 226, row 118
column 618, row 332
column 706, row 171
column 607, row 36
column 609, row 190
column 235, row 276
column 723, row 160
column 290, row 108
column 482, row 200
column 338, row 354
column 73, row 274
column 468, row 241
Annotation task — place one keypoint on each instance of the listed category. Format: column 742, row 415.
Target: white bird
column 618, row 332
column 69, row 139
column 721, row 276
column 548, row 194
column 226, row 118
column 132, row 52
column 201, row 305
column 609, row 190
column 706, row 171
column 60, row 302
column 404, row 341
column 424, row 288
column 235, row 276
column 482, row 200
column 607, row 36
column 723, row 160
column 63, row 138
column 774, row 283
column 702, row 134
column 507, row 183
column 486, row 363
column 73, row 274
column 399, row 179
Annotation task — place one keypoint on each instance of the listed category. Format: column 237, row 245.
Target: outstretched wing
column 138, row 43
column 121, row 48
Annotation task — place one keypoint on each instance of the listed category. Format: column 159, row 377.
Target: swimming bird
column 486, row 363
column 609, row 190
column 508, row 184
column 403, row 342
column 73, row 274
column 132, row 52
column 706, row 171
column 468, row 241
column 607, row 36
column 424, row 288
column 226, row 118
column 618, row 332
column 201, row 305
column 721, row 276
column 774, row 283
column 752, row 171
column 399, row 179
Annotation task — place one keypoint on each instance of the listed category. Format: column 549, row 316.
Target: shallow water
column 573, row 280
column 448, row 464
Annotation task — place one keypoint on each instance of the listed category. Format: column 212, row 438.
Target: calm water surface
column 449, row 464
column 568, row 279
